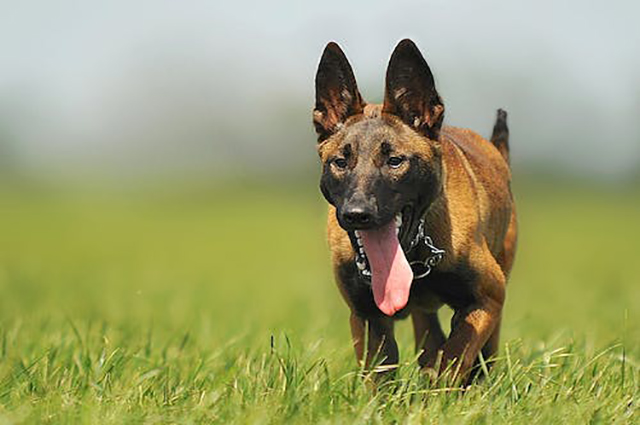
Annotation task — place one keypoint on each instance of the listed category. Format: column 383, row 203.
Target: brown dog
column 420, row 214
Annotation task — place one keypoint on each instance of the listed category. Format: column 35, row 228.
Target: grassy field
column 220, row 306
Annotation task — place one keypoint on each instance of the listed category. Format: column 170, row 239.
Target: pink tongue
column 391, row 275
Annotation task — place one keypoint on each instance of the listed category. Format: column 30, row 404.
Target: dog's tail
column 500, row 135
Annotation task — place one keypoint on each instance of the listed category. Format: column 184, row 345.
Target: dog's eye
column 340, row 163
column 395, row 161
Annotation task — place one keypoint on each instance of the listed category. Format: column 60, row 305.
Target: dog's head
column 381, row 164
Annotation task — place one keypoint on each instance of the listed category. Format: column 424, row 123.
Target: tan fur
column 372, row 111
column 476, row 189
column 397, row 158
column 473, row 220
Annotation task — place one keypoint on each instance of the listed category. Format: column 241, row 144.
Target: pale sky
column 107, row 84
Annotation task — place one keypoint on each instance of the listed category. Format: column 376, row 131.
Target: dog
column 420, row 214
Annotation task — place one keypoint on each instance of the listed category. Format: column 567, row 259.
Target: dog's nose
column 357, row 216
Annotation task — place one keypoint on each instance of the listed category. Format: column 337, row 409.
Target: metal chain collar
column 433, row 259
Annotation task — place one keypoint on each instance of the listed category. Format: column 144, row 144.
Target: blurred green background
column 224, row 261
column 158, row 174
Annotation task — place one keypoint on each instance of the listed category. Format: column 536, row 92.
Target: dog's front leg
column 429, row 337
column 470, row 330
column 358, row 326
column 472, row 326
column 381, row 343
column 381, row 347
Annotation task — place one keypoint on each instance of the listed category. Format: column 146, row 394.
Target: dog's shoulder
column 469, row 153
column 477, row 187
column 481, row 154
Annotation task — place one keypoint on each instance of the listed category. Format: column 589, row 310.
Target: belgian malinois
column 420, row 214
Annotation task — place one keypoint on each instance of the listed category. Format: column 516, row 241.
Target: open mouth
column 403, row 222
column 381, row 259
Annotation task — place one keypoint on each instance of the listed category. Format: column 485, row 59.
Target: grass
column 219, row 306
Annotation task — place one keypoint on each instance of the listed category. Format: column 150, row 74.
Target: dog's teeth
column 366, row 272
column 359, row 241
column 361, row 266
column 398, row 220
column 357, row 234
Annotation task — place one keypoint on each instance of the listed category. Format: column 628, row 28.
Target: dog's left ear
column 410, row 91
column 337, row 95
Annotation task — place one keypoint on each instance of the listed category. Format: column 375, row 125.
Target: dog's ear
column 337, row 95
column 410, row 91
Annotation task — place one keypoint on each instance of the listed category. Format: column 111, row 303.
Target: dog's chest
column 454, row 288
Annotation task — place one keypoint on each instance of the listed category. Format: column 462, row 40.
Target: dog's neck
column 436, row 217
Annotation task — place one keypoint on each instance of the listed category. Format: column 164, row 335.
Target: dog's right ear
column 337, row 95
